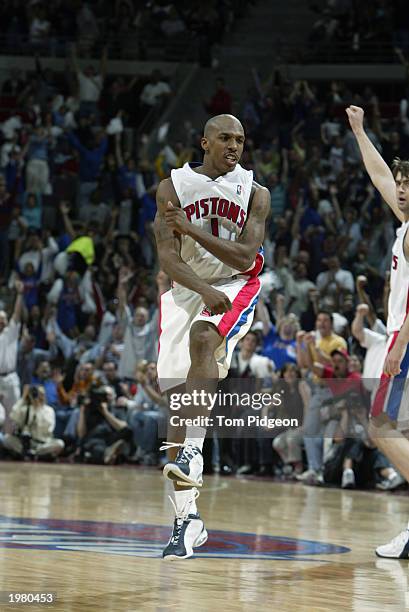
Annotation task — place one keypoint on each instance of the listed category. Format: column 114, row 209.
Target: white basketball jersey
column 219, row 206
column 398, row 304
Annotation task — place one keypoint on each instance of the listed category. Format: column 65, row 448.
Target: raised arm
column 378, row 170
column 124, row 276
column 357, row 327
column 263, row 316
column 364, row 298
column 240, row 254
column 64, row 208
column 18, row 305
column 168, row 246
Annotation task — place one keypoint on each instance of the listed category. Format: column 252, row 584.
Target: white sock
column 181, row 499
column 195, row 436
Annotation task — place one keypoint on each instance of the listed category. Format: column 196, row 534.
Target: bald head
column 222, row 143
column 222, row 123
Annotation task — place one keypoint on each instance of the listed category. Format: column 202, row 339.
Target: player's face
column 402, row 192
column 225, row 147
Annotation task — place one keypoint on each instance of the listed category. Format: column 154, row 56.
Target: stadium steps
column 255, row 42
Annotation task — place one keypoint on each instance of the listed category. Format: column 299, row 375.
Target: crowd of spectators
column 345, row 30
column 129, row 27
column 321, row 316
column 76, row 211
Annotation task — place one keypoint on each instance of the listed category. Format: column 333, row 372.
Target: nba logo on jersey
column 206, row 312
column 238, row 189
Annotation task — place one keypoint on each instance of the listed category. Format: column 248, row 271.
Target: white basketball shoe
column 398, row 548
column 188, row 532
column 187, row 469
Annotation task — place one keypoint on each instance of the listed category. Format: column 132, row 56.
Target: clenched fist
column 356, row 118
column 216, row 301
column 393, row 360
column 362, row 309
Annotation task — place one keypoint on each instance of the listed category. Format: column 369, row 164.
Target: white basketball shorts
column 392, row 395
column 181, row 307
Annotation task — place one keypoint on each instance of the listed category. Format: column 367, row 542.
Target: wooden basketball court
column 93, row 536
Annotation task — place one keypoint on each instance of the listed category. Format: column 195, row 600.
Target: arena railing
column 336, row 52
column 132, row 47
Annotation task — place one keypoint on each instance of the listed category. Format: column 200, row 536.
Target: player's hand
column 176, row 219
column 356, row 117
column 216, row 301
column 392, row 363
column 362, row 309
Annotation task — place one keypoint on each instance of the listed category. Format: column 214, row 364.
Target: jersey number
column 215, row 227
column 394, row 262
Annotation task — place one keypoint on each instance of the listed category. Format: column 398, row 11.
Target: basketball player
column 209, row 229
column 389, row 427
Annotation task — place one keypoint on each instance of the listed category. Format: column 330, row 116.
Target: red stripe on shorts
column 380, row 397
column 240, row 303
column 257, row 266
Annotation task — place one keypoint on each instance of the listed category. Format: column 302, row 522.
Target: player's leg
column 186, row 445
column 209, row 346
column 388, row 411
column 202, row 379
column 392, row 443
column 178, row 309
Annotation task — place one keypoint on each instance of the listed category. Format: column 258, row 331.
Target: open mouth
column 231, row 159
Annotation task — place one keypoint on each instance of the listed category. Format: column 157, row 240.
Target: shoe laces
column 186, row 451
column 182, row 515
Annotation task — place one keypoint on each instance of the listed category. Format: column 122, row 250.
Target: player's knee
column 202, row 343
column 378, row 428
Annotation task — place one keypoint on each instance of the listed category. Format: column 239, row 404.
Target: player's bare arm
column 378, row 170
column 168, row 246
column 394, row 358
column 239, row 254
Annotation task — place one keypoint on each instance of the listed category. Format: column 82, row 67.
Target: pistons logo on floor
column 141, row 540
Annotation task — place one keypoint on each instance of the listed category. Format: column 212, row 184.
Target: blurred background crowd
column 79, row 281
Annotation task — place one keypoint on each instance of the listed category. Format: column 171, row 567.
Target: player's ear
column 205, row 144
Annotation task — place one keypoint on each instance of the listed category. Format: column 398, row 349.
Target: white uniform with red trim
column 398, row 304
column 392, row 394
column 219, row 206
